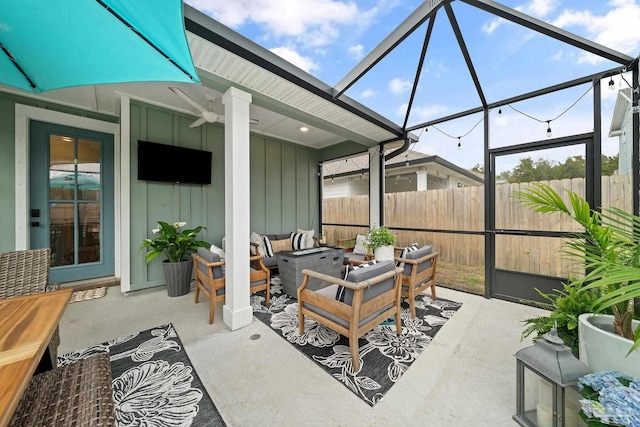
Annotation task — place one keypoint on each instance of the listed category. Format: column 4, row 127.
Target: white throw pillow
column 218, row 251
column 309, row 236
column 361, row 245
column 256, row 238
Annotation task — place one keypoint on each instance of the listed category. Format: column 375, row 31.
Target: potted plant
column 176, row 245
column 380, row 241
column 609, row 249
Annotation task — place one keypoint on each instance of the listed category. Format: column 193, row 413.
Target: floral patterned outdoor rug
column 154, row 383
column 384, row 356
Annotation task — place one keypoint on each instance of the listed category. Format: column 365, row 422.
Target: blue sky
column 327, row 38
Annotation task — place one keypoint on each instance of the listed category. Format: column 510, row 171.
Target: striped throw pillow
column 298, row 241
column 267, row 246
column 405, row 251
column 341, row 289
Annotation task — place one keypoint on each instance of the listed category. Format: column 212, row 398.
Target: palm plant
column 609, row 249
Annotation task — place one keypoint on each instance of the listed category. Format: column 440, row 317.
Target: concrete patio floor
column 465, row 377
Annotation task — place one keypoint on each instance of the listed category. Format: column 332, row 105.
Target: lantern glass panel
column 538, row 399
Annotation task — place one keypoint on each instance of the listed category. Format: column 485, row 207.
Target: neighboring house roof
column 355, row 165
column 622, row 106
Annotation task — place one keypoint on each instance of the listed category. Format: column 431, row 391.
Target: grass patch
column 468, row 278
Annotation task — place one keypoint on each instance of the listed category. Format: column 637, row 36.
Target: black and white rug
column 154, row 383
column 384, row 356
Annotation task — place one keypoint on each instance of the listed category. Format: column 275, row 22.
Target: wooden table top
column 26, row 327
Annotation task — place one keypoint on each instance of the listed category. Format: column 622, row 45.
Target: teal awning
column 50, row 45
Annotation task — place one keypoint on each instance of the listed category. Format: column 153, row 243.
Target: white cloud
column 613, row 29
column 540, row 8
column 535, row 8
column 356, row 51
column 368, row 93
column 399, row 86
column 313, row 22
column 295, row 58
column 490, row 26
column 422, row 112
column 558, row 56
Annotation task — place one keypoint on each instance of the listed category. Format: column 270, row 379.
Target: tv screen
column 170, row 163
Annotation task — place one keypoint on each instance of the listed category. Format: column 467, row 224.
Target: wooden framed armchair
column 353, row 307
column 418, row 274
column 210, row 278
column 26, row 273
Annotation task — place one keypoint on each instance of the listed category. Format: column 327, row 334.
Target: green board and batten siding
column 284, row 192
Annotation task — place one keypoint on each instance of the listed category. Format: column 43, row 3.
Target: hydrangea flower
column 612, row 398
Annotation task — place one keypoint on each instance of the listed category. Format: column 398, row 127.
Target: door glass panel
column 561, row 168
column 88, row 170
column 74, row 177
column 89, row 233
column 61, row 228
column 61, row 167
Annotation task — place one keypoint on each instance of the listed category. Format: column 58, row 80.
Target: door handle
column 35, row 223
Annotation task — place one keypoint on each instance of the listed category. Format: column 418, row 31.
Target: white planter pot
column 602, row 349
column 384, row 253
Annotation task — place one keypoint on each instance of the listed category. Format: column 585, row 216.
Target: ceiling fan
column 206, row 114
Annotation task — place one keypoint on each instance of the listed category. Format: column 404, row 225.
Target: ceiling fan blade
column 191, row 102
column 251, row 121
column 198, row 122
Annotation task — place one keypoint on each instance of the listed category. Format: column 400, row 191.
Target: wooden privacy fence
column 462, row 209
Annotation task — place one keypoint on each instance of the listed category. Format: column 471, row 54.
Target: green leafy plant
column 565, row 305
column 380, row 236
column 172, row 242
column 609, row 248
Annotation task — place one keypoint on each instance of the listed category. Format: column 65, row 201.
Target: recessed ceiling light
column 304, row 129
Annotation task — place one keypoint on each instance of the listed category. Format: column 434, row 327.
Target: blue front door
column 71, row 196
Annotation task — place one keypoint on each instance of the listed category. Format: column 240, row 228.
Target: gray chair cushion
column 367, row 273
column 209, row 256
column 330, row 292
column 425, row 250
column 350, row 255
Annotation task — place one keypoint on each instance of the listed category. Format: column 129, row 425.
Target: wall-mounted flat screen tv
column 170, row 163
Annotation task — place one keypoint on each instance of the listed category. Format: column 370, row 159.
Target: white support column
column 237, row 311
column 376, row 170
column 421, row 180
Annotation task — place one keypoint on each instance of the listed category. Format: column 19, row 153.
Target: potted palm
column 176, row 245
column 380, row 241
column 609, row 249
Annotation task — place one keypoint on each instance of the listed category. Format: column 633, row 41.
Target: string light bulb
column 500, row 111
column 549, row 129
column 362, row 175
column 406, row 161
column 612, row 84
column 332, row 178
column 459, row 144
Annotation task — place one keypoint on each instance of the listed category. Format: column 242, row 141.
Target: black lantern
column 545, row 392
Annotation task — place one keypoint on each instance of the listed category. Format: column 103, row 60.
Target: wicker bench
column 78, row 394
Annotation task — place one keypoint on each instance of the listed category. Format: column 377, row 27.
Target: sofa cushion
column 281, row 236
column 425, row 250
column 360, row 247
column 309, row 233
column 270, row 262
column 298, row 241
column 281, row 245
